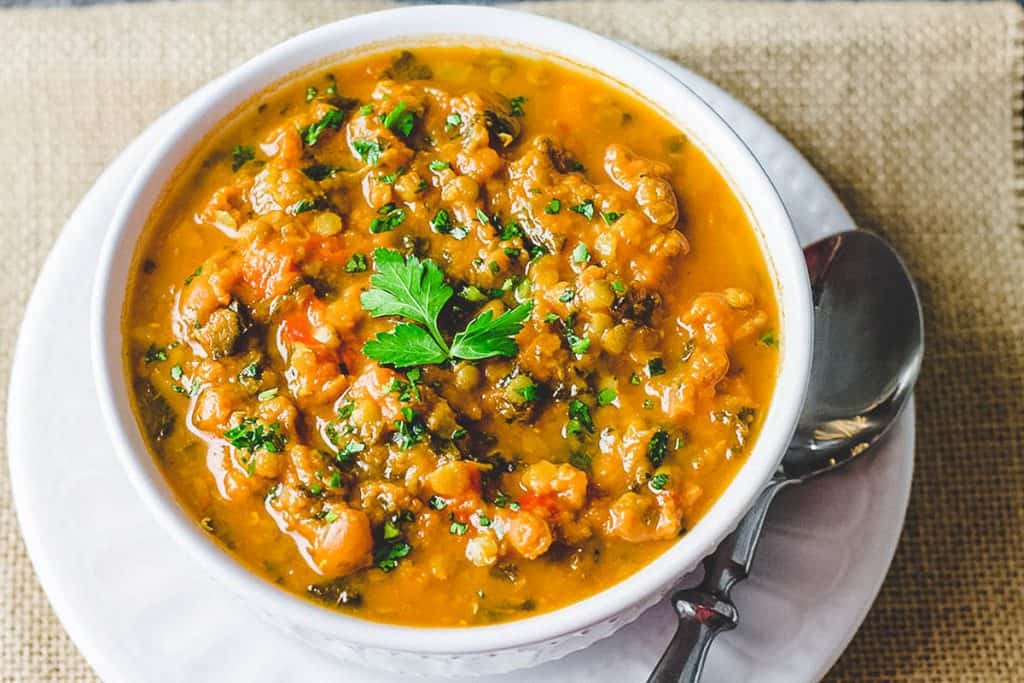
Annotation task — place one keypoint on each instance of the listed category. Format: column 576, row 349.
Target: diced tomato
column 541, row 504
column 296, row 328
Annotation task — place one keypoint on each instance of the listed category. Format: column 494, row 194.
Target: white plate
column 141, row 612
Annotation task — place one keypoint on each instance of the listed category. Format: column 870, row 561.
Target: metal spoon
column 868, row 346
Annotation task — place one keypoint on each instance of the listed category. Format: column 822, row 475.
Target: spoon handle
column 707, row 610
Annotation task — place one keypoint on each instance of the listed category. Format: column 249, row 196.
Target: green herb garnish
column 155, row 354
column 250, row 435
column 390, row 218
column 416, row 290
column 586, row 209
column 241, row 154
column 580, row 254
column 368, row 150
column 330, row 120
column 356, row 263
column 657, row 449
column 400, row 119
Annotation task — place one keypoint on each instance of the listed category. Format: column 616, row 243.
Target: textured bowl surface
column 502, row 647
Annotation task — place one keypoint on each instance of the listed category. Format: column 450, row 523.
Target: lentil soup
column 449, row 336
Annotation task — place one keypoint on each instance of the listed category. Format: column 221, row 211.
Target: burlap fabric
column 912, row 112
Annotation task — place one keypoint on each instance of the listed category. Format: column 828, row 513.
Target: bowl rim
column 441, row 23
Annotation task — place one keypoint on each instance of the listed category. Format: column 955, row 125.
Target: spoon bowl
column 869, row 344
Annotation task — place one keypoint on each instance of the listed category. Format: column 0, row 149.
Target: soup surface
column 450, row 336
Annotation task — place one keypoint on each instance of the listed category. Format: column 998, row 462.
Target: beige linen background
column 912, row 112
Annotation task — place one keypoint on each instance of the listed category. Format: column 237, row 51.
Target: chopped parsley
column 580, row 460
column 176, row 372
column 618, row 286
column 251, row 435
column 437, row 503
column 386, row 559
column 438, row 165
column 586, row 209
column 610, row 217
column 655, row 367
column 510, row 230
column 579, row 345
column 366, row 109
column 410, row 430
column 441, row 222
column 482, row 217
column 516, row 106
column 155, row 354
column 356, row 263
column 606, row 397
column 302, row 206
column 458, row 528
column 580, row 254
column 349, row 450
column 452, row 121
column 330, row 120
column 579, row 417
column 241, row 154
column 368, row 150
column 769, row 339
column 528, row 392
column 659, row 481
column 390, row 218
column 319, row 172
column 400, row 119
column 657, row 449
column 553, row 207
column 195, row 273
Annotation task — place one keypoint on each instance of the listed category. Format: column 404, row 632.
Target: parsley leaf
column 356, row 264
column 487, row 336
column 390, row 218
column 332, row 119
column 319, row 171
column 416, row 290
column 553, row 207
column 400, row 119
column 409, row 288
column 405, row 346
column 241, row 154
column 441, row 222
column 250, row 435
column 657, row 449
column 586, row 209
column 155, row 354
column 580, row 254
column 516, row 106
column 368, row 150
column 659, row 481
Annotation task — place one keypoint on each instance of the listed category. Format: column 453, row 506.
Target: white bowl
column 479, row 649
